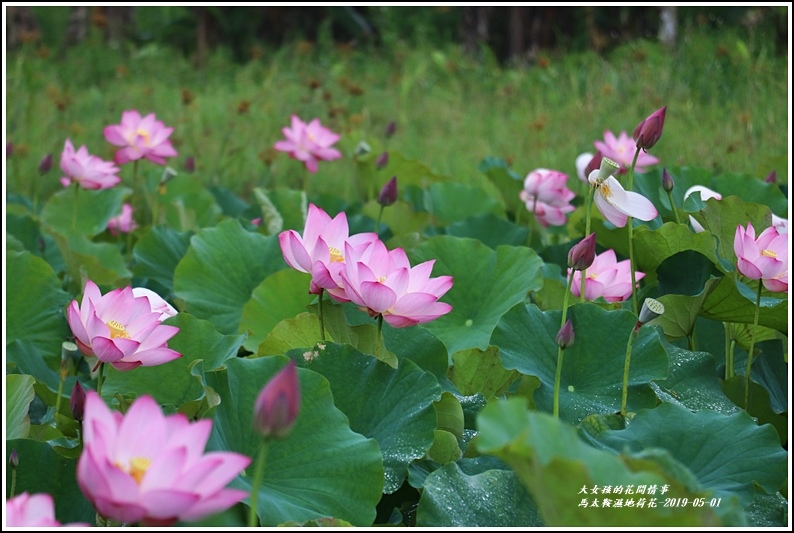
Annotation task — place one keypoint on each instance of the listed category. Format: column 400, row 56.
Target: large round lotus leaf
column 732, row 301
column 158, row 253
column 321, row 469
column 560, row 471
column 451, row 202
column 43, row 470
column 726, row 453
column 35, row 304
column 392, row 406
column 82, row 212
column 101, row 262
column 494, row 498
column 172, row 383
column 489, row 229
column 283, row 294
column 19, row 394
column 486, row 284
column 592, row 371
column 221, row 269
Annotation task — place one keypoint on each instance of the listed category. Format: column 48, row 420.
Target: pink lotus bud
column 382, row 160
column 649, row 131
column 9, row 149
column 391, row 127
column 582, row 255
column 667, row 181
column 46, row 164
column 277, row 406
column 594, row 163
column 771, row 178
column 565, row 337
column 190, row 164
column 13, row 458
column 77, row 402
column 388, row 194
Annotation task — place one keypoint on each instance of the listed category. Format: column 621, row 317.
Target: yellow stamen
column 137, row 468
column 606, row 192
column 117, row 330
column 336, row 255
column 768, row 253
column 145, row 134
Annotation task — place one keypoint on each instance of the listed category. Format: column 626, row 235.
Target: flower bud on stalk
column 388, row 194
column 382, row 160
column 46, row 164
column 771, row 177
column 278, row 403
column 667, row 181
column 582, row 255
column 565, row 337
column 649, row 131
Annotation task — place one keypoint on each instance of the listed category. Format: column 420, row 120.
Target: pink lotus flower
column 120, row 328
column 34, row 510
column 764, row 258
column 309, row 143
column 320, row 251
column 149, row 468
column 382, row 282
column 586, row 163
column 622, row 149
column 140, row 137
column 124, row 223
column 617, row 204
column 89, row 171
column 649, row 131
column 156, row 302
column 605, row 277
column 546, row 194
column 276, row 408
column 780, row 223
column 705, row 194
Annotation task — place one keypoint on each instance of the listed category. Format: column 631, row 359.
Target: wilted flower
column 156, row 302
column 276, row 408
column 77, row 401
column 120, row 329
column 622, row 149
column 649, row 131
column 89, row 171
column 382, row 282
column 764, row 258
column 320, row 250
column 46, row 164
column 605, row 277
column 309, row 143
column 388, row 194
column 34, row 510
column 139, row 138
column 149, row 468
column 124, row 223
column 617, row 204
column 582, row 254
column 565, row 336
column 546, row 194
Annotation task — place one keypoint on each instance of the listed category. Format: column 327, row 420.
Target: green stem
column 224, row 142
column 752, row 348
column 99, row 378
column 625, row 395
column 631, row 170
column 74, row 207
column 533, row 218
column 13, row 482
column 558, row 373
column 258, row 475
column 380, row 215
column 322, row 323
column 60, row 387
column 134, row 192
column 630, row 224
column 379, row 337
column 588, row 208
column 672, row 206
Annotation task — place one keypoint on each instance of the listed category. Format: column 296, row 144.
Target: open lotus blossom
column 140, row 137
column 34, row 510
column 89, row 171
column 617, row 204
column 120, row 328
column 605, row 277
column 309, row 143
column 124, row 223
column 764, row 258
column 546, row 194
column 148, row 468
column 382, row 282
column 156, row 302
column 320, row 251
column 780, row 223
column 621, row 149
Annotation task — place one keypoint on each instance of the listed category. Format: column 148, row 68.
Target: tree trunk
column 668, row 26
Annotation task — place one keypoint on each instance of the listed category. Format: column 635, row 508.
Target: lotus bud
column 391, row 127
column 565, row 337
column 190, row 164
column 382, row 160
column 582, row 255
column 46, row 164
column 649, row 131
column 667, row 181
column 388, row 194
column 9, row 149
column 13, row 459
column 278, row 403
column 77, row 401
column 771, row 178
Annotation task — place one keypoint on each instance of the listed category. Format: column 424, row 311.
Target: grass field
column 727, row 106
